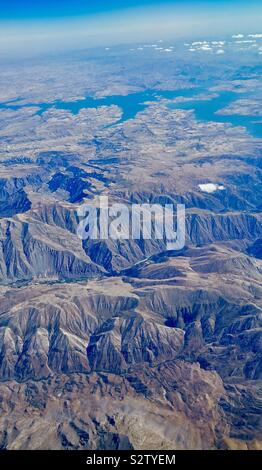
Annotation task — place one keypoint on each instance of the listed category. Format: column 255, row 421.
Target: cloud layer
column 135, row 25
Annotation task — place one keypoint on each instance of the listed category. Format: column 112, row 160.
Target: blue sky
column 32, row 26
column 58, row 8
column 24, row 9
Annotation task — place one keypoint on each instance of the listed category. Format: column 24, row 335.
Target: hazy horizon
column 79, row 25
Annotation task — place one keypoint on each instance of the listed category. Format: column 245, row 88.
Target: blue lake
column 130, row 104
column 205, row 110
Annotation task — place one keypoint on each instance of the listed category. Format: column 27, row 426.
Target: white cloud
column 237, row 36
column 255, row 35
column 211, row 187
column 220, row 51
column 246, row 41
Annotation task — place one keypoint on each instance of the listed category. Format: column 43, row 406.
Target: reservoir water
column 205, row 110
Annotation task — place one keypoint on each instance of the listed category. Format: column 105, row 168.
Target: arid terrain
column 121, row 344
